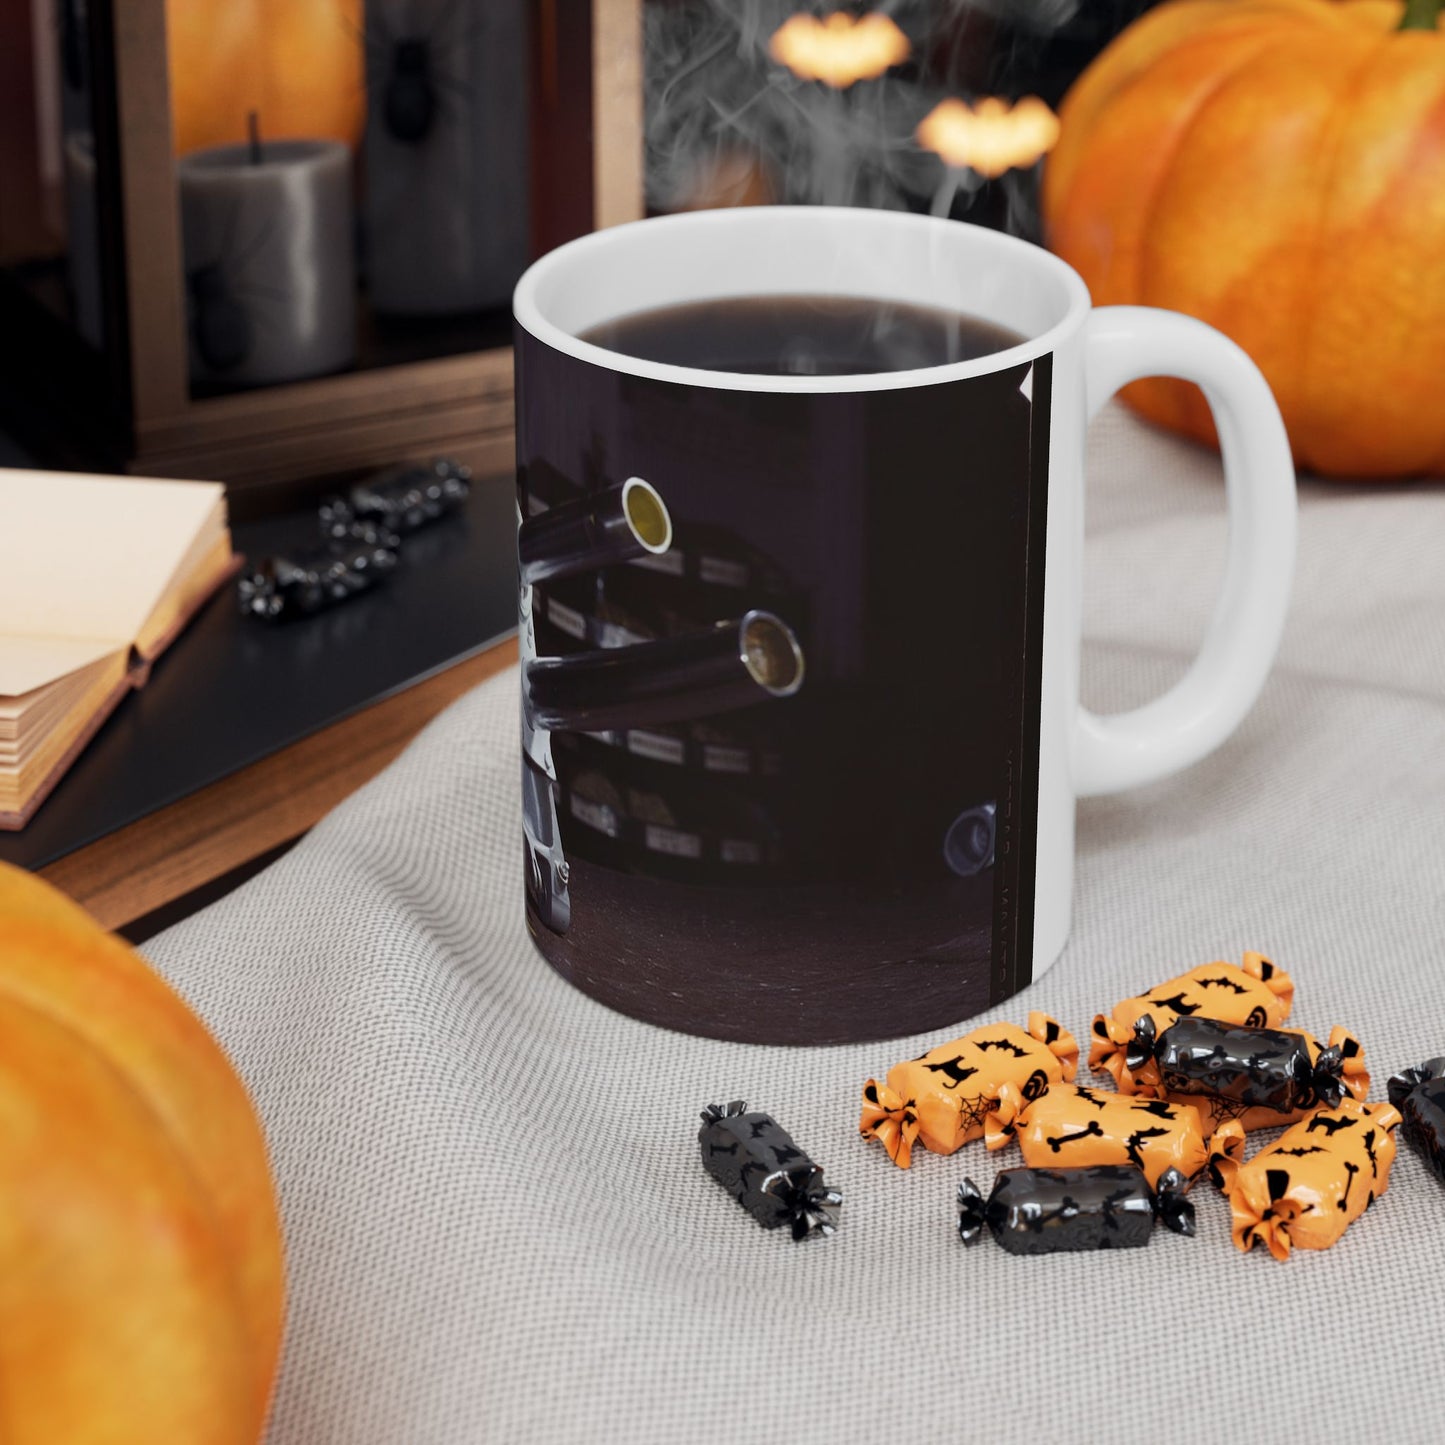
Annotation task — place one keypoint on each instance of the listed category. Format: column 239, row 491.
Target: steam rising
column 727, row 123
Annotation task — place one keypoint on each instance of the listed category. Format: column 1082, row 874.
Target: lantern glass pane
column 356, row 180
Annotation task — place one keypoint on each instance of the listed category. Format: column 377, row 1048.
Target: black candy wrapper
column 401, row 499
column 755, row 1159
column 1254, row 1068
column 313, row 578
column 1096, row 1206
column 1419, row 1095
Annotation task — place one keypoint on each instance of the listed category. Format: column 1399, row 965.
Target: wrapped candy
column 1257, row 994
column 755, row 1159
column 1074, row 1126
column 401, row 498
column 1419, row 1095
column 1097, row 1206
column 299, row 583
column 942, row 1098
column 1258, row 1077
column 1305, row 1190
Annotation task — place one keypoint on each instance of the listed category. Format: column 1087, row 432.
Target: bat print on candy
column 1140, row 1137
column 1303, row 1191
column 942, row 1099
column 1260, row 1077
column 1176, row 1004
column 1097, row 1206
column 1077, row 1126
column 1003, row 1045
column 1223, row 981
column 755, row 1159
column 1254, row 993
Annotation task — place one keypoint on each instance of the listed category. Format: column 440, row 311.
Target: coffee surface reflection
column 802, row 336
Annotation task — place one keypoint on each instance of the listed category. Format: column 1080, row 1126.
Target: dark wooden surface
column 246, row 734
column 140, row 870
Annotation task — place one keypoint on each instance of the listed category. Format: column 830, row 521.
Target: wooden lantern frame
column 265, row 438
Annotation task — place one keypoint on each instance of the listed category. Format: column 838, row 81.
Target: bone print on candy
column 1090, row 1131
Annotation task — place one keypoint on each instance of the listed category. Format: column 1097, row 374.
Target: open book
column 97, row 575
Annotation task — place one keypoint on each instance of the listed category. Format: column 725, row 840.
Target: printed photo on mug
column 798, row 556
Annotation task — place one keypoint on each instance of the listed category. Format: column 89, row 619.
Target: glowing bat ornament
column 991, row 137
column 839, row 49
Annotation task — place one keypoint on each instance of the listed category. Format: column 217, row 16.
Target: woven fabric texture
column 498, row 1227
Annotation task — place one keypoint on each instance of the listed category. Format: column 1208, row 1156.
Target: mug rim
column 528, row 312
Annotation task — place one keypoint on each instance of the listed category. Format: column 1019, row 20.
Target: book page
column 34, row 713
column 28, row 663
column 20, row 778
column 90, row 558
column 186, row 592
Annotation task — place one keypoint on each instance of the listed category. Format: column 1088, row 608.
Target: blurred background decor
column 1275, row 168
column 272, row 242
column 766, row 100
column 153, row 328
column 211, row 219
column 447, row 224
column 283, row 59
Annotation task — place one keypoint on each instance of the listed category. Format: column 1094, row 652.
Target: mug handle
column 1123, row 750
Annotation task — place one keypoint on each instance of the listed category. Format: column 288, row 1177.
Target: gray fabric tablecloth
column 498, row 1227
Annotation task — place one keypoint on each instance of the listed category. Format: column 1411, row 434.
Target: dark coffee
column 802, row 335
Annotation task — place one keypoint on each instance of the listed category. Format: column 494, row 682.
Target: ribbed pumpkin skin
column 1277, row 169
column 141, row 1284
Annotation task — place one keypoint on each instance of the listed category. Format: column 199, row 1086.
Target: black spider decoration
column 409, row 100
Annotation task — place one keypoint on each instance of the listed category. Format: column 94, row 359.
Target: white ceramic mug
column 802, row 731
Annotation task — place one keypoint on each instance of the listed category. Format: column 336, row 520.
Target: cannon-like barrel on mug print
column 626, row 521
column 716, row 669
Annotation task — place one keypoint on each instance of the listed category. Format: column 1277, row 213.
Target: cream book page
column 28, row 663
column 34, row 713
column 85, row 561
column 24, row 763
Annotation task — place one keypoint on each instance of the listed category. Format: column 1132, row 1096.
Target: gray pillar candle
column 446, row 210
column 270, row 273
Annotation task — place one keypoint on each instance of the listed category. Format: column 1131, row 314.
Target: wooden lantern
column 135, row 407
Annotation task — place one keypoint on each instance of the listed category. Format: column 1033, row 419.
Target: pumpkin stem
column 1420, row 15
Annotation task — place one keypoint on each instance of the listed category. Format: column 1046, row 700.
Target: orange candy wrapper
column 1068, row 1126
column 1256, row 994
column 1305, row 1190
column 1215, row 1110
column 942, row 1098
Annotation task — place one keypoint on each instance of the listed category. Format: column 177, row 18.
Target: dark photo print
column 781, row 684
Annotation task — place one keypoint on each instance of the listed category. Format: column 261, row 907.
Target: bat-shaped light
column 839, row 49
column 991, row 137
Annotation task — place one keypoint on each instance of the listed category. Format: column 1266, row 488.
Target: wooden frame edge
column 176, row 435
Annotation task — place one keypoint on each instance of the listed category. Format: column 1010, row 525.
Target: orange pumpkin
column 140, row 1252
column 299, row 64
column 1276, row 168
